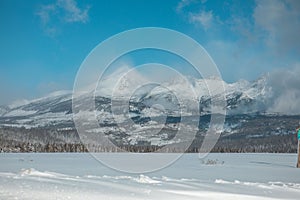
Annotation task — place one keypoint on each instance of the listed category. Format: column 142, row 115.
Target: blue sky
column 43, row 43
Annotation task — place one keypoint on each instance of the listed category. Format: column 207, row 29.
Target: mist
column 285, row 87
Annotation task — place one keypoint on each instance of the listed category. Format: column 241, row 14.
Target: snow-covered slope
column 3, row 110
column 241, row 97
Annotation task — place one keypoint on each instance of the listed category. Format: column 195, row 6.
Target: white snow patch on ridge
column 20, row 112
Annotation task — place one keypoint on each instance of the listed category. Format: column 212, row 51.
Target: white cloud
column 72, row 12
column 273, row 24
column 44, row 12
column 62, row 11
column 286, row 90
column 185, row 3
column 279, row 20
column 204, row 18
column 182, row 4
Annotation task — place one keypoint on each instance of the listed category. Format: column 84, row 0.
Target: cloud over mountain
column 285, row 91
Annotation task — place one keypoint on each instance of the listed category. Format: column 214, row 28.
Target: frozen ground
column 218, row 176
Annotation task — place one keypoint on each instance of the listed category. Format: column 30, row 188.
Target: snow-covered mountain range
column 242, row 97
column 156, row 113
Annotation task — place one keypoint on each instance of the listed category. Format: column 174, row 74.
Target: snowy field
column 218, row 176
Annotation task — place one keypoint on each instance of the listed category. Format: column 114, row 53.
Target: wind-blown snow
column 119, row 83
column 18, row 103
column 285, row 86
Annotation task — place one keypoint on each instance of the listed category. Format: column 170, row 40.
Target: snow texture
column 79, row 176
